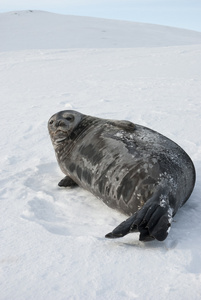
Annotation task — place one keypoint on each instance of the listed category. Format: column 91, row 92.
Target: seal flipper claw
column 67, row 181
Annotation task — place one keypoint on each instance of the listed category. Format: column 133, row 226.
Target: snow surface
column 52, row 239
column 42, row 30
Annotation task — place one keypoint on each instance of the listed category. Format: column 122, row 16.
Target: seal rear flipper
column 152, row 221
column 67, row 181
column 122, row 229
column 127, row 226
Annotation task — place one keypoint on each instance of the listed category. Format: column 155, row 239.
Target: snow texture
column 52, row 239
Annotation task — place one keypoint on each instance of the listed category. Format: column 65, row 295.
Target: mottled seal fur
column 130, row 167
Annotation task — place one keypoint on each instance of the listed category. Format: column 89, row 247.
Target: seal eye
column 70, row 118
column 51, row 122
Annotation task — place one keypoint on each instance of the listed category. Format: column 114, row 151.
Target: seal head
column 62, row 124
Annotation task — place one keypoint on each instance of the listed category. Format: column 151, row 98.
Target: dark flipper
column 123, row 228
column 152, row 221
column 67, row 181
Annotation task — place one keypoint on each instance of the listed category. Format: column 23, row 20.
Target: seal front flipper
column 152, row 221
column 67, row 181
column 124, row 125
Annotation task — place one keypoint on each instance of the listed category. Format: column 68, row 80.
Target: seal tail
column 153, row 221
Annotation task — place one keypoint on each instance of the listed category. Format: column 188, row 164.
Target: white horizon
column 181, row 14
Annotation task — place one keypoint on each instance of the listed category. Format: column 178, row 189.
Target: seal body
column 130, row 167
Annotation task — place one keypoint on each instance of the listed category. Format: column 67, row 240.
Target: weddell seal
column 130, row 167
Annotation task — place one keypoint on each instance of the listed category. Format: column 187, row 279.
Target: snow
column 35, row 29
column 52, row 239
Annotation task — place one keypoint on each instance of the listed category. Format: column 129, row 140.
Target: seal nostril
column 60, row 123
